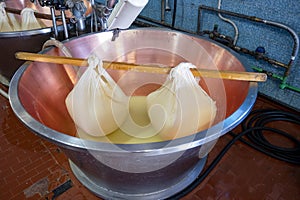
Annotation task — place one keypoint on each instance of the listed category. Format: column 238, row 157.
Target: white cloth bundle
column 9, row 23
column 29, row 21
column 96, row 101
column 180, row 106
column 5, row 25
column 14, row 22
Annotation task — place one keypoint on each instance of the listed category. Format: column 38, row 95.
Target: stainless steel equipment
column 29, row 40
column 153, row 170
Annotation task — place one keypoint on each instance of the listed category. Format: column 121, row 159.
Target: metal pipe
column 110, row 3
column 162, row 13
column 63, row 17
column 230, row 22
column 174, row 13
column 259, row 20
column 52, row 11
column 259, row 56
column 295, row 38
column 152, row 22
column 227, row 12
column 271, row 74
column 92, row 15
column 226, row 40
column 167, row 6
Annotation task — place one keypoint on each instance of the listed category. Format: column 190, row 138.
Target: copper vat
column 153, row 170
column 29, row 40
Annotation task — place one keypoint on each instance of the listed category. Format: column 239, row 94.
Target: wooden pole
column 231, row 75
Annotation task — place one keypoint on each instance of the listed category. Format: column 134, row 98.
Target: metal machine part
column 30, row 40
column 124, row 13
column 99, row 16
column 131, row 171
column 78, row 9
column 60, row 5
column 115, row 16
column 103, row 17
column 110, row 3
column 61, row 26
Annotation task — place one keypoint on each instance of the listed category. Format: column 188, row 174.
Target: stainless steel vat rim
column 149, row 149
column 25, row 33
column 13, row 34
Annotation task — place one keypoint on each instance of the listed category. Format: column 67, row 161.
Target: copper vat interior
column 43, row 87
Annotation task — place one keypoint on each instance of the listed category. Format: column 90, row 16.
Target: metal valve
column 58, row 4
column 78, row 9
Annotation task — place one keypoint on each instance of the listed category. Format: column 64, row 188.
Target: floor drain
column 61, row 189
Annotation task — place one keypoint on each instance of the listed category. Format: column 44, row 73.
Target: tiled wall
column 277, row 42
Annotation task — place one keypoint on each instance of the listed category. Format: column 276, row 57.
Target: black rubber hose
column 253, row 127
column 257, row 140
column 203, row 175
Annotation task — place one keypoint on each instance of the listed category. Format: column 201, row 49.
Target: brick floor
column 31, row 167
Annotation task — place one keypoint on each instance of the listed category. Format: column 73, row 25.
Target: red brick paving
column 27, row 160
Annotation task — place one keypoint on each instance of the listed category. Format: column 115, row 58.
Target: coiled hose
column 257, row 122
column 253, row 128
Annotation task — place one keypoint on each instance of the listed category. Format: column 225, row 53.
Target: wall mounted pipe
column 228, row 41
column 294, row 35
column 162, row 11
column 259, row 20
column 174, row 13
column 165, row 6
column 230, row 22
column 143, row 21
column 148, row 22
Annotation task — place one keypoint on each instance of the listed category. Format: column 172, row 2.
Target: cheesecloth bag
column 14, row 22
column 5, row 25
column 96, row 101
column 29, row 21
column 180, row 107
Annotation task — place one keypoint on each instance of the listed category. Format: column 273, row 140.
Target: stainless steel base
column 106, row 193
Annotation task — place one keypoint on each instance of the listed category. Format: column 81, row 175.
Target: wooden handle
column 231, row 75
